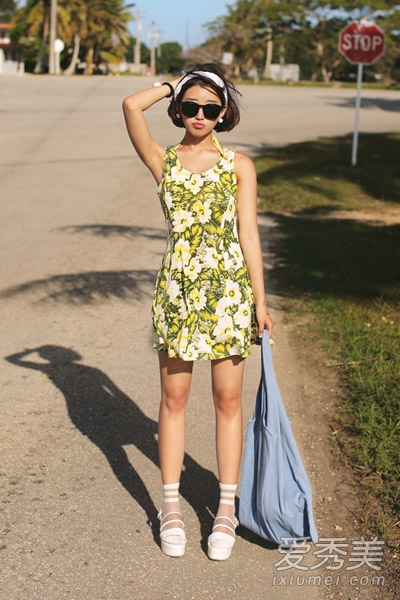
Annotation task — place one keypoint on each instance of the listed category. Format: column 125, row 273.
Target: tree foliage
column 304, row 32
column 92, row 30
column 7, row 10
column 169, row 58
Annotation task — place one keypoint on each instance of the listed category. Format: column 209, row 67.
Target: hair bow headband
column 207, row 75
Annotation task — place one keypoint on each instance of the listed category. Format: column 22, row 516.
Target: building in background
column 11, row 53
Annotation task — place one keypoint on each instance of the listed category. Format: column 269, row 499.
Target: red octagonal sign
column 362, row 42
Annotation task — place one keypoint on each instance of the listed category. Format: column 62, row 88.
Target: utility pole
column 53, row 28
column 137, row 44
column 268, row 59
column 154, row 36
column 282, row 58
column 187, row 36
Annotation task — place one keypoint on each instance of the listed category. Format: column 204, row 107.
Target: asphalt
column 82, row 236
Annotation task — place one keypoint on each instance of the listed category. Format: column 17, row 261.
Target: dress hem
column 162, row 348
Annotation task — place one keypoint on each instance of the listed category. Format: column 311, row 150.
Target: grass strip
column 347, row 274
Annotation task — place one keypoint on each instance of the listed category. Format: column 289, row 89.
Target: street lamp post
column 137, row 43
column 154, row 36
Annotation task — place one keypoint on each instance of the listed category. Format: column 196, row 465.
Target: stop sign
column 362, row 42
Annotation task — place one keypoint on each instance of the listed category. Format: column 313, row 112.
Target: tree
column 31, row 24
column 305, row 30
column 130, row 52
column 7, row 10
column 106, row 31
column 96, row 28
column 238, row 33
column 72, row 16
column 169, row 59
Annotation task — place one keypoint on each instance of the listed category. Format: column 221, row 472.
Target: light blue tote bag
column 275, row 494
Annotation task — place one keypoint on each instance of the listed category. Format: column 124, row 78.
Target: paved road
column 81, row 239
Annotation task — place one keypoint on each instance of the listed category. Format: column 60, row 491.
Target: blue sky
column 178, row 20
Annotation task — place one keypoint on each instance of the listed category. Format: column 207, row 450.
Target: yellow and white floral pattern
column 203, row 306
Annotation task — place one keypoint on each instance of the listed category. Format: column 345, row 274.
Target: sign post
column 58, row 48
column 361, row 43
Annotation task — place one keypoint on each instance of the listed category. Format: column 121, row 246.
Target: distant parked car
column 351, row 76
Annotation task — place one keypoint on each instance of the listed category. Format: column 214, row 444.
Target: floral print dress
column 203, row 307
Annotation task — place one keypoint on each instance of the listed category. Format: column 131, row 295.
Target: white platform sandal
column 220, row 544
column 173, row 539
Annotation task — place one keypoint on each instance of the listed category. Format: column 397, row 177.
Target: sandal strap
column 225, row 526
column 162, row 517
column 233, row 523
column 171, row 521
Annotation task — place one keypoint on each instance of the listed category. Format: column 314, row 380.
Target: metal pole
column 53, row 27
column 57, row 63
column 137, row 45
column 153, row 35
column 358, row 103
column 153, row 56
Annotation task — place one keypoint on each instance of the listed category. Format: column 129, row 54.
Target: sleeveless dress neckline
column 215, row 165
column 195, row 172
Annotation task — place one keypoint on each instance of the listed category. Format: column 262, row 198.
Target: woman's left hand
column 264, row 319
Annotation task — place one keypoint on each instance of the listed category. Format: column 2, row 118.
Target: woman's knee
column 227, row 401
column 174, row 401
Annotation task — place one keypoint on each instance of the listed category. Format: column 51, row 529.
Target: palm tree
column 243, row 32
column 108, row 36
column 72, row 16
column 32, row 21
column 97, row 26
column 7, row 10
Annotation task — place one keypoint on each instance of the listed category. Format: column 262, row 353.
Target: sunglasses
column 210, row 111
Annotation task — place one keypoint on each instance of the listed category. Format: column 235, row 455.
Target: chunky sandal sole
column 173, row 540
column 223, row 551
column 220, row 544
column 172, row 549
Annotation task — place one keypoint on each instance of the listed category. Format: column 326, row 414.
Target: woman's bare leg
column 227, row 381
column 175, row 377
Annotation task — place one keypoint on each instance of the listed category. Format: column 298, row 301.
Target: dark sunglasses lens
column 210, row 111
column 190, row 109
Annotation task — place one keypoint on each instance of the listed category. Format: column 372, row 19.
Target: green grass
column 346, row 274
column 375, row 85
column 317, row 176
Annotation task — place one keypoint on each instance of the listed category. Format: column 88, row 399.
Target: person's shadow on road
column 111, row 420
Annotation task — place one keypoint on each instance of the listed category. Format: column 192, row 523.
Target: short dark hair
column 232, row 114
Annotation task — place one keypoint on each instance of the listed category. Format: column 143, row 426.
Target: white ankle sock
column 226, row 504
column 170, row 492
column 227, row 494
column 171, row 502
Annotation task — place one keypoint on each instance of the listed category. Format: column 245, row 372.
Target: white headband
column 215, row 78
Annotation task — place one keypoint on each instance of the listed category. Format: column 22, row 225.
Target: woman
column 209, row 302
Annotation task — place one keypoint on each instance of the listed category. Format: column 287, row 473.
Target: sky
column 177, row 20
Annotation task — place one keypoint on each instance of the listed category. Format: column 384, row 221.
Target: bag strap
column 268, row 401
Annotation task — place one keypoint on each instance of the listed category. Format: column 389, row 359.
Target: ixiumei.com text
column 296, row 579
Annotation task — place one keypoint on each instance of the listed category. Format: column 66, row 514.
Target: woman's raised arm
column 149, row 151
